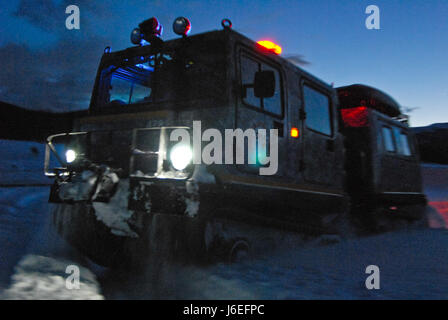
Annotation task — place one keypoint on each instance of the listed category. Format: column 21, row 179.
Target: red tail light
column 355, row 117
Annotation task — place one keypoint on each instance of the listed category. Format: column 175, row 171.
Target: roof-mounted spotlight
column 182, row 26
column 151, row 28
column 136, row 36
column 148, row 31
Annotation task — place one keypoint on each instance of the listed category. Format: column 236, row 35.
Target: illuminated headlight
column 181, row 156
column 70, row 156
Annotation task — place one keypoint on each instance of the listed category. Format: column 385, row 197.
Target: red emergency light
column 355, row 117
column 271, row 46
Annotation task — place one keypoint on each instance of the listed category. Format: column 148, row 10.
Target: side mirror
column 264, row 84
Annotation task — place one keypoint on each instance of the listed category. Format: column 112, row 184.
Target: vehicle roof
column 354, row 95
column 206, row 36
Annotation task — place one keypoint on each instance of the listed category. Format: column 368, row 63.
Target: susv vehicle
column 343, row 154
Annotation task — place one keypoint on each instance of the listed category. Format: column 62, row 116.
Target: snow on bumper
column 119, row 203
column 115, row 213
column 165, row 196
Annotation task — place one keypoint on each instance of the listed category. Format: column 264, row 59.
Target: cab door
column 322, row 160
column 399, row 166
column 261, row 113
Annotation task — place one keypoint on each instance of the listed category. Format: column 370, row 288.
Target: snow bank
column 23, row 212
column 22, row 162
column 435, row 182
column 33, row 258
column 41, row 278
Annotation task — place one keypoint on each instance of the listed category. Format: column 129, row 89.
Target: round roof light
column 151, row 28
column 136, row 36
column 182, row 26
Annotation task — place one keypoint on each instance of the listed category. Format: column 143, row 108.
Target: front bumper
column 180, row 197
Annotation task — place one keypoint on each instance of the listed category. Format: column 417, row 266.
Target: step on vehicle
column 124, row 189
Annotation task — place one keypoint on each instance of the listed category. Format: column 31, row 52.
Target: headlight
column 70, row 155
column 181, row 156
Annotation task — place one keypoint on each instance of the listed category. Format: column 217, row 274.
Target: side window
column 249, row 67
column 402, row 142
column 318, row 111
column 405, row 147
column 397, row 139
column 388, row 139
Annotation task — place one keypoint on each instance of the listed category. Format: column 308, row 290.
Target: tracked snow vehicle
column 124, row 187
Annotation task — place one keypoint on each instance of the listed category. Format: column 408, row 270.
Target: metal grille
column 145, row 152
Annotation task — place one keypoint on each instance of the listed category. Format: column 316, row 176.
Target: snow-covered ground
column 33, row 260
column 21, row 163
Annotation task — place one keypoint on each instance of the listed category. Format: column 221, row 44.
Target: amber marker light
column 271, row 46
column 294, row 132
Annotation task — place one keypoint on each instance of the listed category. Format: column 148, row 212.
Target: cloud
column 50, row 16
column 59, row 78
column 41, row 13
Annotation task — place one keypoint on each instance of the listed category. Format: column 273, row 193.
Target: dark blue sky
column 46, row 66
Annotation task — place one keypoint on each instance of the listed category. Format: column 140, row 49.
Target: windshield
column 130, row 85
column 190, row 72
